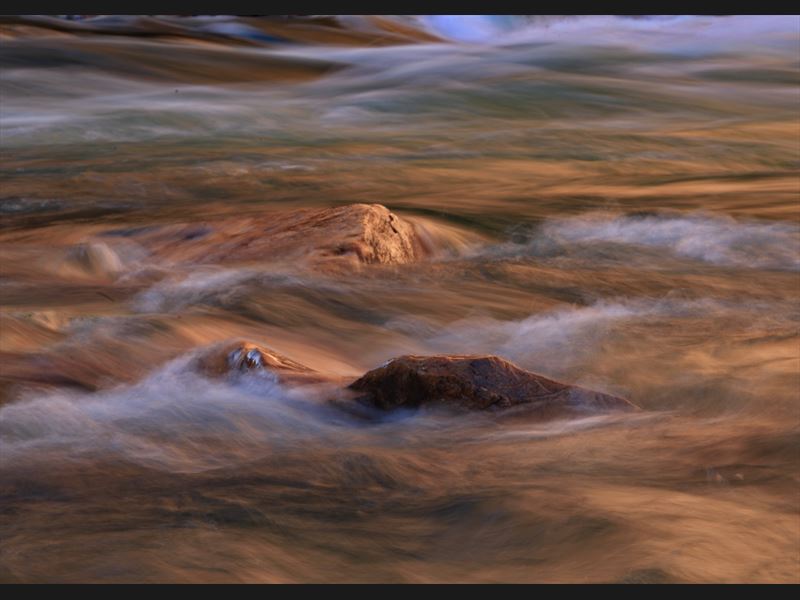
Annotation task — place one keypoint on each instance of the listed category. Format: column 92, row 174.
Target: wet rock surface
column 330, row 237
column 464, row 383
column 476, row 383
column 225, row 359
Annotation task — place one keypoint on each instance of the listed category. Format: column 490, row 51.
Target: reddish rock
column 330, row 237
column 369, row 233
column 476, row 383
column 237, row 357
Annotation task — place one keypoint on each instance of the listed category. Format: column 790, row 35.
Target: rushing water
column 622, row 199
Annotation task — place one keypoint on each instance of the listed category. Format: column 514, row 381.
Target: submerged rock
column 373, row 234
column 367, row 233
column 476, row 383
column 330, row 237
column 238, row 357
column 95, row 260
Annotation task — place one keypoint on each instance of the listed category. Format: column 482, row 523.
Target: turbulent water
column 622, row 202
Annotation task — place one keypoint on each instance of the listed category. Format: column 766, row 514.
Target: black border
column 315, row 7
column 300, row 590
column 360, row 7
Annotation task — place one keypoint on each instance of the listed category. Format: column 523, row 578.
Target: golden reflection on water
column 621, row 216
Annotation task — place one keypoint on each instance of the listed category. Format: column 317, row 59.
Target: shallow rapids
column 610, row 202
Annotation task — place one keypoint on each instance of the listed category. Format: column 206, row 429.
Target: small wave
column 174, row 419
column 556, row 341
column 200, row 287
column 218, row 286
column 692, row 34
column 717, row 240
column 24, row 206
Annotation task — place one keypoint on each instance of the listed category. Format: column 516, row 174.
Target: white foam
column 555, row 341
column 713, row 239
column 200, row 286
column 174, row 419
column 676, row 33
column 217, row 285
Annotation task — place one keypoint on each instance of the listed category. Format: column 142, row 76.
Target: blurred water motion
column 619, row 203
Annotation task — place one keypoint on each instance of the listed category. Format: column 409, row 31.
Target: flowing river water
column 619, row 201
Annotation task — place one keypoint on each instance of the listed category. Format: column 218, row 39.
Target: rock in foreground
column 466, row 383
column 238, row 357
column 476, row 383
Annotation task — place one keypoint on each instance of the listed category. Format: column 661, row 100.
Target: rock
column 371, row 233
column 484, row 383
column 347, row 236
column 95, row 260
column 237, row 357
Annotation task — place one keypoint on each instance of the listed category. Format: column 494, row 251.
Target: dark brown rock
column 476, row 383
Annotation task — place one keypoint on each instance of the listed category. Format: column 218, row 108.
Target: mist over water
column 607, row 201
